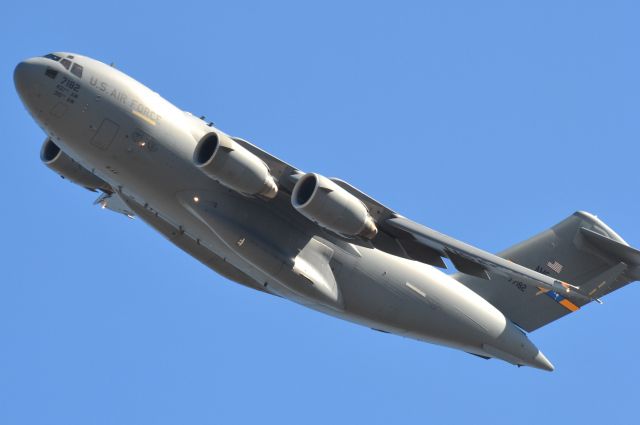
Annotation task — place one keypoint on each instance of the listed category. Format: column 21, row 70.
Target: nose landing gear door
column 105, row 134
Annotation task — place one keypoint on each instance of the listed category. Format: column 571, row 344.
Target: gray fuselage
column 143, row 147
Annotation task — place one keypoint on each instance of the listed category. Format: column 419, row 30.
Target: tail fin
column 581, row 250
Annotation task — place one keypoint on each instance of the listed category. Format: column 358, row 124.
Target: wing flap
column 468, row 266
column 424, row 254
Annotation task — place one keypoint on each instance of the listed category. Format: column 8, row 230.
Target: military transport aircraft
column 314, row 240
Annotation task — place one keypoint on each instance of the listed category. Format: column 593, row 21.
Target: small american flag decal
column 555, row 266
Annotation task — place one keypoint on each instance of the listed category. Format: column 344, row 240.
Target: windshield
column 52, row 56
column 75, row 68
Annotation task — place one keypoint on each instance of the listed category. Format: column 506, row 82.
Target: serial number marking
column 70, row 84
column 521, row 286
column 67, row 90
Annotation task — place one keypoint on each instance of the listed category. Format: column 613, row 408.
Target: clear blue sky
column 489, row 121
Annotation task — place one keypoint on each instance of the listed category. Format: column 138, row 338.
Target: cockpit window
column 76, row 70
column 66, row 63
column 51, row 73
column 52, row 56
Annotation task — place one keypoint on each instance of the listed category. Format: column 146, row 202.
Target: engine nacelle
column 324, row 202
column 233, row 166
column 61, row 163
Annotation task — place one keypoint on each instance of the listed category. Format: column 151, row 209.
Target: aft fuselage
column 143, row 147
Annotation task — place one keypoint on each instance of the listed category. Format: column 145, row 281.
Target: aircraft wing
column 401, row 236
column 285, row 174
column 378, row 211
column 427, row 245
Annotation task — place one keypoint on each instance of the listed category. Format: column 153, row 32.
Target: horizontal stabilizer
column 581, row 249
column 617, row 250
column 474, row 261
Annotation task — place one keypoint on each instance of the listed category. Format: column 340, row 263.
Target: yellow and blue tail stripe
column 562, row 301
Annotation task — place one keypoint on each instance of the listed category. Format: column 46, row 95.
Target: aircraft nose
column 25, row 77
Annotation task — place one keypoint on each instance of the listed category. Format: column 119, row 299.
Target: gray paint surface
column 139, row 149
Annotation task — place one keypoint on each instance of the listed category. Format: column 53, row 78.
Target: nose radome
column 25, row 76
column 20, row 76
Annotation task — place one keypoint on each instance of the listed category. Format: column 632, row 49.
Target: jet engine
column 233, row 166
column 332, row 207
column 61, row 163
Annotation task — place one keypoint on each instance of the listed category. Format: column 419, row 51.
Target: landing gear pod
column 61, row 163
column 330, row 206
column 225, row 161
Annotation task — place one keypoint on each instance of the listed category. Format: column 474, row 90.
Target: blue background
column 489, row 121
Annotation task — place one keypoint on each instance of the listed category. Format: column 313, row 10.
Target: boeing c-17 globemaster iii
column 317, row 241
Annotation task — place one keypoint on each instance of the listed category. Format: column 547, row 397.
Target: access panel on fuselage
column 105, row 134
